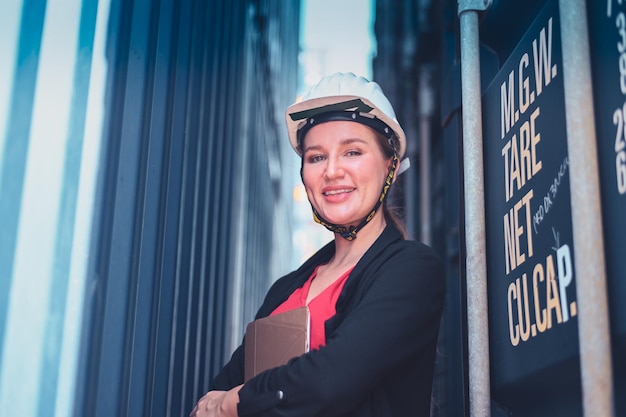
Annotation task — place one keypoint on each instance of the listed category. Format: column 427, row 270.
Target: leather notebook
column 274, row 340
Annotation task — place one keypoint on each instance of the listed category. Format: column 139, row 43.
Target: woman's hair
column 392, row 207
column 394, row 214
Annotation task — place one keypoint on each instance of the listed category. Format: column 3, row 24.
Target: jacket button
column 280, row 395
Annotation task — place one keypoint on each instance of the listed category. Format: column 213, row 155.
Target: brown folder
column 272, row 341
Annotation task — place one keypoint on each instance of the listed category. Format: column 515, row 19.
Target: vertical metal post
column 426, row 110
column 593, row 316
column 473, row 184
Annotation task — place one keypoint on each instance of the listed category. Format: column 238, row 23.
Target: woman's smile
column 335, row 194
column 339, row 191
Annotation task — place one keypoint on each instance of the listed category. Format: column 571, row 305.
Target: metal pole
column 426, row 110
column 593, row 316
column 476, row 265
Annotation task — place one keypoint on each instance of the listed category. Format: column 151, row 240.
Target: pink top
column 321, row 308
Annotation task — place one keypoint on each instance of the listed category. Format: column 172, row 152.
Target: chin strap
column 349, row 233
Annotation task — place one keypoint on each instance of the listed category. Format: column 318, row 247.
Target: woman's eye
column 353, row 152
column 315, row 158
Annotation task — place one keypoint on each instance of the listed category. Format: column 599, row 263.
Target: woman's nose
column 333, row 169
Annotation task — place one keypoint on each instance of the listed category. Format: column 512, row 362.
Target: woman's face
column 343, row 171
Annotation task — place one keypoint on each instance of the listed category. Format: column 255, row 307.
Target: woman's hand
column 217, row 404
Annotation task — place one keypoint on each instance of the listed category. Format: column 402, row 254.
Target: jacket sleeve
column 392, row 319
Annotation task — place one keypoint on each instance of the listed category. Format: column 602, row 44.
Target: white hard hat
column 344, row 92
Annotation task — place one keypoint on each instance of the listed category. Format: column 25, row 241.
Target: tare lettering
column 619, row 120
column 544, row 72
column 530, row 313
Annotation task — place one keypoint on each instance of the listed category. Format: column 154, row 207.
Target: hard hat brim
column 297, row 114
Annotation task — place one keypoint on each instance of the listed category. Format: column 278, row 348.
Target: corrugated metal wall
column 51, row 86
column 142, row 143
column 189, row 196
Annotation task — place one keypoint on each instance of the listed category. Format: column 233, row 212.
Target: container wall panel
column 143, row 210
column 185, row 244
column 52, row 79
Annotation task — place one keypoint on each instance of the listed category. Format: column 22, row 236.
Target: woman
column 375, row 298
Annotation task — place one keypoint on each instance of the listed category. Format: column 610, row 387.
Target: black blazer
column 380, row 346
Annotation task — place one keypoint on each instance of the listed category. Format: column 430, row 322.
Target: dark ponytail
column 394, row 213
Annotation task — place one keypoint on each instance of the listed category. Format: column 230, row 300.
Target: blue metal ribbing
column 67, row 213
column 16, row 146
